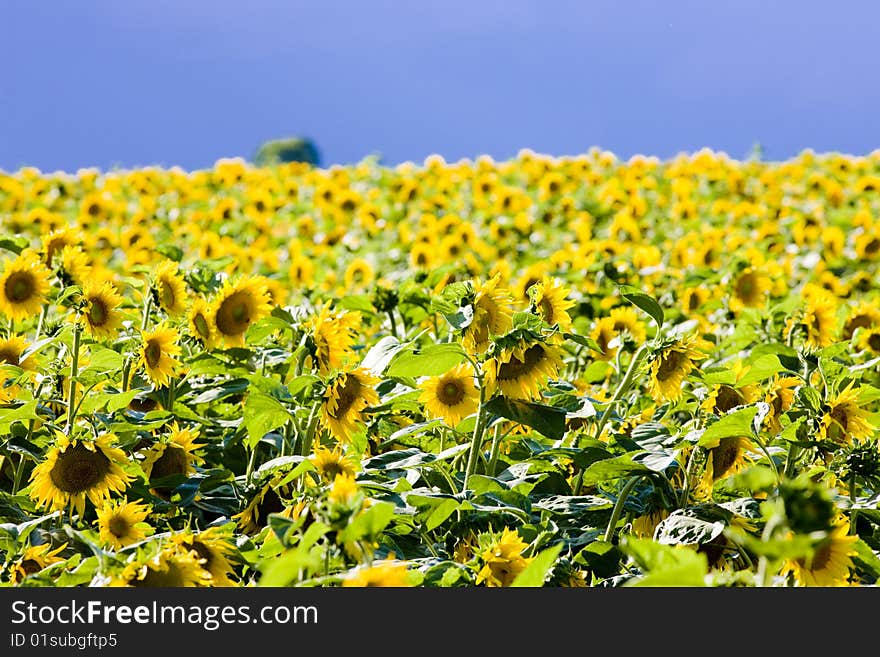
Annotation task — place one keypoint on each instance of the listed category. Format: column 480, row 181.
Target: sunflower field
column 574, row 371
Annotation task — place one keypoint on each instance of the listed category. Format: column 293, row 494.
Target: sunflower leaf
column 434, row 360
column 536, row 572
column 735, row 423
column 643, row 301
column 546, row 420
column 262, row 414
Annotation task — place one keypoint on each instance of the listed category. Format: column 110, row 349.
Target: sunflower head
column 521, row 368
column 171, row 567
column 347, row 396
column 76, row 469
column 380, row 573
column 549, row 300
column 236, row 307
column 493, row 315
column 34, row 559
column 122, row 523
column 670, row 366
column 200, row 323
column 101, row 313
column 175, row 454
column 215, row 549
column 451, row 396
column 503, row 560
column 24, row 286
column 170, row 288
column 332, row 462
column 158, row 354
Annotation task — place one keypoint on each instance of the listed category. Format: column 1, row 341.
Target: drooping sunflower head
column 174, row 454
column 727, row 457
column 492, row 315
column 170, row 288
column 76, row 469
column 332, row 462
column 451, row 396
column 12, row 349
column 815, row 325
column 200, row 323
column 122, row 523
column 237, row 306
column 101, row 312
column 503, row 560
column 345, row 399
column 158, row 353
column 171, row 567
column 549, row 298
column 343, row 490
column 829, row 561
column 670, row 366
column 24, row 284
column 333, row 333
column 865, row 315
column 519, row 371
column 380, row 573
column 34, row 559
column 266, row 500
column 215, row 549
column 780, row 396
column 73, row 265
column 723, row 398
column 845, row 418
column 54, row 241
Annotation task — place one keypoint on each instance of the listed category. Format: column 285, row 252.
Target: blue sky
column 185, row 82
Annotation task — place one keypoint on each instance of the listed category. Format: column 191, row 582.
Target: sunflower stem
column 74, row 371
column 496, row 445
column 618, row 506
column 854, row 512
column 148, row 306
column 308, row 437
column 19, row 471
column 393, row 323
column 43, row 312
column 252, row 459
column 477, row 439
column 622, row 389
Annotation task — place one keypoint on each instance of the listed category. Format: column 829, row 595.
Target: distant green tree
column 287, row 149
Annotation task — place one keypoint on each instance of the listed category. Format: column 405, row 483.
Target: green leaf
column 536, row 572
column 434, row 360
column 9, row 416
column 735, row 423
column 440, row 513
column 546, row 420
column 644, row 301
column 584, row 341
column 760, row 369
column 370, row 523
column 614, row 468
column 666, row 565
column 380, row 355
column 14, row 244
column 171, row 251
column 262, row 414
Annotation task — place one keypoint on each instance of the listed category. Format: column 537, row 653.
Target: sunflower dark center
column 727, row 399
column 547, row 310
column 20, row 287
column 693, row 302
column 872, row 247
column 172, row 462
column 30, row 566
column 98, row 312
column 78, row 469
column 203, row 551
column 451, row 393
column 670, row 364
column 153, row 352
column 347, row 395
column 839, row 415
column 234, row 314
column 94, row 209
column 201, row 325
column 118, row 526
column 167, row 294
column 515, row 368
column 874, row 341
column 154, row 578
column 724, row 456
column 10, row 357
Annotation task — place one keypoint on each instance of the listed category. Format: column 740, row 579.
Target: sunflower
column 503, row 560
column 343, row 490
column 550, row 301
column 727, row 457
column 199, row 323
column 24, row 285
column 11, row 351
column 845, row 418
column 214, row 548
column 348, row 394
column 76, row 469
column 829, row 562
column 174, row 454
column 359, row 274
column 422, row 256
column 170, row 288
column 333, row 333
column 380, row 573
column 75, row 267
column 723, row 398
column 864, row 315
column 869, row 340
column 816, row 323
column 53, row 242
column 332, row 462
column 172, row 567
column 122, row 523
column 157, row 354
column 267, row 500
column 452, row 396
column 520, row 371
column 670, row 367
column 779, row 397
column 492, row 315
column 237, row 306
column 34, row 559
column 749, row 289
column 101, row 309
